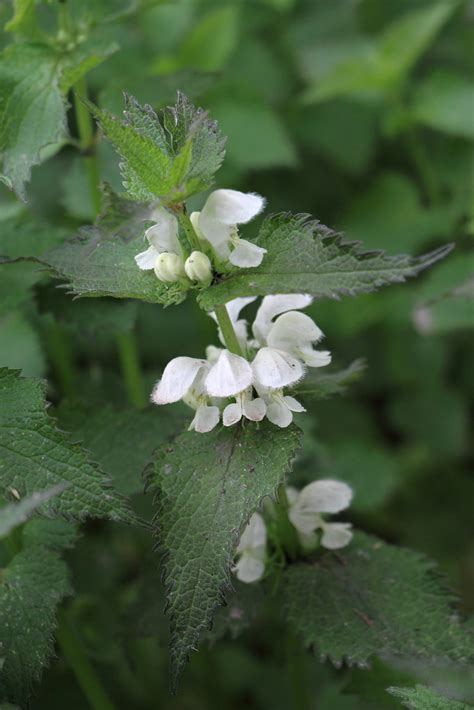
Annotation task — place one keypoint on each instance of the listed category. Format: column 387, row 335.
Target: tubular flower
column 217, row 224
column 251, row 551
column 164, row 254
column 308, row 505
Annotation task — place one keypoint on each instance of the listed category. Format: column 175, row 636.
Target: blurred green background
column 360, row 112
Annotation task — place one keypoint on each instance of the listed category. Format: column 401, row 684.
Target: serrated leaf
column 374, row 599
column 170, row 162
column 34, row 80
column 36, row 455
column 32, row 110
column 207, row 487
column 320, row 385
column 31, row 587
column 304, row 256
column 100, row 260
column 121, row 440
column 18, row 513
column 238, row 613
column 423, row 698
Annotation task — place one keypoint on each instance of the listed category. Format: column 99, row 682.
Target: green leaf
column 267, row 145
column 170, row 162
column 304, row 256
column 207, row 487
column 31, row 588
column 423, row 698
column 100, row 260
column 239, row 612
column 23, row 22
column 121, row 440
column 34, row 80
column 320, row 385
column 36, row 455
column 211, row 41
column 378, row 66
column 32, row 110
column 445, row 101
column 20, row 345
column 16, row 514
column 374, row 599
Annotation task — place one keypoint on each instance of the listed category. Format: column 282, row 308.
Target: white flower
column 292, row 332
column 169, row 267
column 198, row 267
column 306, row 506
column 217, row 223
column 244, row 406
column 250, row 551
column 183, row 378
column 228, row 376
column 162, row 238
column 279, row 407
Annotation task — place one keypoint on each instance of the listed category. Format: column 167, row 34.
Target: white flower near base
column 306, row 509
column 251, row 551
column 198, row 267
column 164, row 255
column 217, row 224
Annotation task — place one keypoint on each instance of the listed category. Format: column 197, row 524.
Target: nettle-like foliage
column 219, row 481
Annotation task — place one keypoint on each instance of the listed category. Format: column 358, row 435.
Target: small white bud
column 169, row 267
column 198, row 267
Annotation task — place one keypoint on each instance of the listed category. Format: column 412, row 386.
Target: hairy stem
column 227, row 329
column 85, row 128
column 188, row 229
column 131, row 371
column 86, row 677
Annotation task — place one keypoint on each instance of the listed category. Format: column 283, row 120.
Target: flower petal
column 236, row 305
column 247, row 255
column 146, row 259
column 254, row 534
column 177, row 379
column 254, row 409
column 315, row 358
column 249, row 569
column 325, row 496
column 293, row 404
column 293, row 329
column 336, row 535
column 205, row 419
column 230, row 375
column 230, row 207
column 276, row 368
column 163, row 235
column 279, row 415
column 232, row 414
column 272, row 306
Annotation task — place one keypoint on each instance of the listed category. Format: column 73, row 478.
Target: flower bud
column 169, row 267
column 198, row 267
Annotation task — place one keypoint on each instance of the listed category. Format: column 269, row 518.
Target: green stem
column 61, row 357
column 86, row 677
column 131, row 371
column 85, row 129
column 188, row 229
column 227, row 330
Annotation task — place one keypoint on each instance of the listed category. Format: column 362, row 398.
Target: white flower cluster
column 305, row 512
column 216, row 229
column 275, row 358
